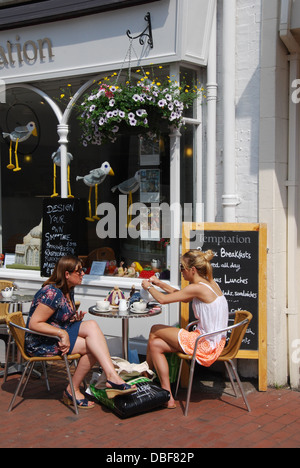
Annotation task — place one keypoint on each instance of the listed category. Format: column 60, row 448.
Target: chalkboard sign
column 239, row 268
column 60, row 231
column 235, row 268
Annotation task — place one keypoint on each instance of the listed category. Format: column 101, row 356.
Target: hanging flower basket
column 142, row 108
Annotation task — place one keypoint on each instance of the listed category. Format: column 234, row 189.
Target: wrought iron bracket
column 147, row 32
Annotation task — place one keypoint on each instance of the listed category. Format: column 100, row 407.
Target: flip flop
column 115, row 390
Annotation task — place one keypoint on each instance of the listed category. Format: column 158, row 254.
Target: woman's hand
column 146, row 284
column 154, row 280
column 64, row 343
column 78, row 317
column 151, row 281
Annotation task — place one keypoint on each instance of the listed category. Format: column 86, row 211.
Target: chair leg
column 71, row 384
column 189, row 391
column 240, row 385
column 44, row 364
column 178, row 378
column 231, row 379
column 18, row 387
column 190, row 384
column 31, row 366
column 7, row 358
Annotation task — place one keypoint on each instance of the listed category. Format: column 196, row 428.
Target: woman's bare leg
column 92, row 345
column 85, row 364
column 162, row 340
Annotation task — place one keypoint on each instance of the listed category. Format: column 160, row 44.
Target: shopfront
column 46, row 70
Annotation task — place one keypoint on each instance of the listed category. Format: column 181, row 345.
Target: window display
column 124, row 211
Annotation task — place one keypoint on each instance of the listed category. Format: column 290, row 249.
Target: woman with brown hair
column 53, row 312
column 210, row 308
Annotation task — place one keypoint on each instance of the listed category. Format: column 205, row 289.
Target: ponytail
column 201, row 261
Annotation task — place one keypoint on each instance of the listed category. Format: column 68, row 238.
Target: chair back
column 101, row 254
column 16, row 318
column 5, row 284
column 237, row 334
column 4, row 307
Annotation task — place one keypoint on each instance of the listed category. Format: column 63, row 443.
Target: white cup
column 7, row 294
column 123, row 305
column 102, row 305
column 138, row 306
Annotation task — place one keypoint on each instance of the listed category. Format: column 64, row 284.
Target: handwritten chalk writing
column 236, row 271
column 235, row 280
column 60, row 208
column 250, row 294
column 60, row 232
column 50, row 237
column 239, row 254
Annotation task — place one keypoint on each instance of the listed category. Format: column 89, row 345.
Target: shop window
column 23, row 191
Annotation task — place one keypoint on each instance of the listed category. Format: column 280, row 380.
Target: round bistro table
column 16, row 301
column 125, row 316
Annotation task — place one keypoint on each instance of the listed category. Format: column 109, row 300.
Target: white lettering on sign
column 16, row 53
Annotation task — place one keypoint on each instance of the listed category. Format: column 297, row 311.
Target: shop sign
column 16, row 53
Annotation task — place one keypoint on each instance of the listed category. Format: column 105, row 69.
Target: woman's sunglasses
column 79, row 271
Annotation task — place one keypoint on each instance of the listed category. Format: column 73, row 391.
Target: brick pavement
column 215, row 419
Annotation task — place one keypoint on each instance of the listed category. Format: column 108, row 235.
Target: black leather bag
column 148, row 397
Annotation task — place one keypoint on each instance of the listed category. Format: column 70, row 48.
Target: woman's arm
column 186, row 294
column 38, row 323
column 162, row 285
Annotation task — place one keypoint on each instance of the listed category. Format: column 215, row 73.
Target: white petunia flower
column 133, row 122
column 141, row 112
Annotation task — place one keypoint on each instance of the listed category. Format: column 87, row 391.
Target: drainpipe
column 212, row 93
column 292, row 189
column 230, row 198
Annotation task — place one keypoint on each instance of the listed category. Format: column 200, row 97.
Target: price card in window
column 98, row 268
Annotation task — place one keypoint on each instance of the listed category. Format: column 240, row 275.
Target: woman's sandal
column 170, row 407
column 82, row 404
column 115, row 390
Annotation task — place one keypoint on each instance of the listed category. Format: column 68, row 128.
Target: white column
column 230, row 198
column 176, row 217
column 292, row 230
column 293, row 195
column 63, row 131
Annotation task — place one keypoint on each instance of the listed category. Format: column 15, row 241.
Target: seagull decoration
column 18, row 135
column 57, row 162
column 128, row 187
column 93, row 179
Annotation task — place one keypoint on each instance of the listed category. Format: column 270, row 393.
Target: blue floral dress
column 63, row 313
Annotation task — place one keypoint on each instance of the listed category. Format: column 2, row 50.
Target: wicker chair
column 4, row 309
column 238, row 330
column 17, row 328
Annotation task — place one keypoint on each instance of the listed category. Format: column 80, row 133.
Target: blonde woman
column 210, row 308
